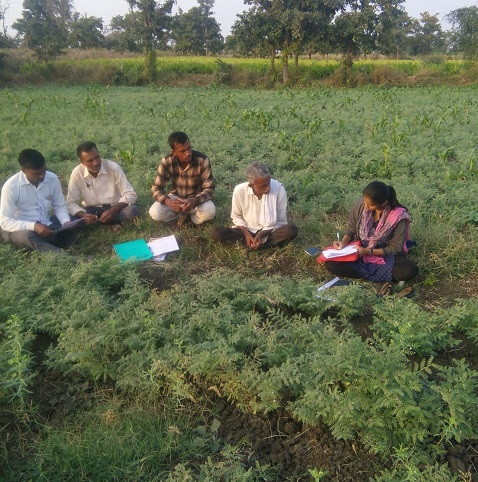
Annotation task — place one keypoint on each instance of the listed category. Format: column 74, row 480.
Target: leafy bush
column 265, row 344
column 411, row 327
column 15, row 362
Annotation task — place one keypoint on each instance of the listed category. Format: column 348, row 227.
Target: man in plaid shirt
column 192, row 184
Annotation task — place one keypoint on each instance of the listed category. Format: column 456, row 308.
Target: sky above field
column 226, row 10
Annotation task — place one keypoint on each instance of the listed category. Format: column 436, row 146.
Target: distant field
column 103, row 67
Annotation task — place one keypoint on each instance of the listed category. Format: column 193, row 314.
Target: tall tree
column 464, row 31
column 123, row 35
column 213, row 40
column 367, row 25
column 44, row 26
column 294, row 23
column 354, row 29
column 155, row 20
column 255, row 34
column 393, row 27
column 4, row 7
column 427, row 36
column 86, row 32
column 197, row 31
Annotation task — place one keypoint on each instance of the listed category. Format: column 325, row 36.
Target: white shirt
column 22, row 204
column 109, row 187
column 246, row 208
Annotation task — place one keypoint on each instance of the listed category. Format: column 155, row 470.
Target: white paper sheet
column 161, row 246
column 336, row 253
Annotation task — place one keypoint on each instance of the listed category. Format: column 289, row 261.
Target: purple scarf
column 386, row 224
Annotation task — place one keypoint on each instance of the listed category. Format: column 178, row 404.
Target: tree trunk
column 273, row 57
column 150, row 64
column 285, row 69
column 285, row 62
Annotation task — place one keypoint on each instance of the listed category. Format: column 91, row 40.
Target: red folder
column 347, row 257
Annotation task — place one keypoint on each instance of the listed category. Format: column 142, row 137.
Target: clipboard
column 348, row 257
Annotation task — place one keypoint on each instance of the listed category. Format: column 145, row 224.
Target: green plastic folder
column 136, row 250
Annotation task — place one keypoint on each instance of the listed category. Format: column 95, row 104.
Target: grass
column 106, row 319
column 323, row 144
column 116, row 439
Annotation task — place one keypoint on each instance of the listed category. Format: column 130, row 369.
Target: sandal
column 405, row 293
column 385, row 289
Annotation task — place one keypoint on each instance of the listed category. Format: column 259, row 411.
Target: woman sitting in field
column 381, row 224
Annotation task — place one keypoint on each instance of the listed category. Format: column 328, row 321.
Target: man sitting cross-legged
column 99, row 191
column 25, row 204
column 258, row 212
column 191, row 182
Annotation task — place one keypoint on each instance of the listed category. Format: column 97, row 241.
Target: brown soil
column 291, row 449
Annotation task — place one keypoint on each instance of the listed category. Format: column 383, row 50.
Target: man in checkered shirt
column 191, row 184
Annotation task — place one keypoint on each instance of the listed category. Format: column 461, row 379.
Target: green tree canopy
column 86, row 32
column 123, row 35
column 197, row 31
column 464, row 32
column 145, row 28
column 293, row 23
column 43, row 26
column 255, row 34
column 392, row 28
column 427, row 36
column 354, row 29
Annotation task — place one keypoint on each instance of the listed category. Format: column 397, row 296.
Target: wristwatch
column 371, row 251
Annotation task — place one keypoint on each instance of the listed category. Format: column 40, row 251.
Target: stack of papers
column 140, row 250
column 337, row 253
column 160, row 247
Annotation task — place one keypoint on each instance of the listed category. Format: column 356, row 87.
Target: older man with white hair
column 258, row 212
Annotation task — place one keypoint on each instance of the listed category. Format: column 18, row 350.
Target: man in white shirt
column 25, row 204
column 98, row 191
column 258, row 212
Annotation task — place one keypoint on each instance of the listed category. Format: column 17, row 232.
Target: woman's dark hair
column 378, row 192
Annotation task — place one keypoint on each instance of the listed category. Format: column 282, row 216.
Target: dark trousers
column 127, row 214
column 404, row 269
column 277, row 237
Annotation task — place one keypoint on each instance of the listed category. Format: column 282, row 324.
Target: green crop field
column 80, row 67
column 132, row 341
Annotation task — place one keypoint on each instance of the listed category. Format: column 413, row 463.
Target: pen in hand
column 338, row 242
